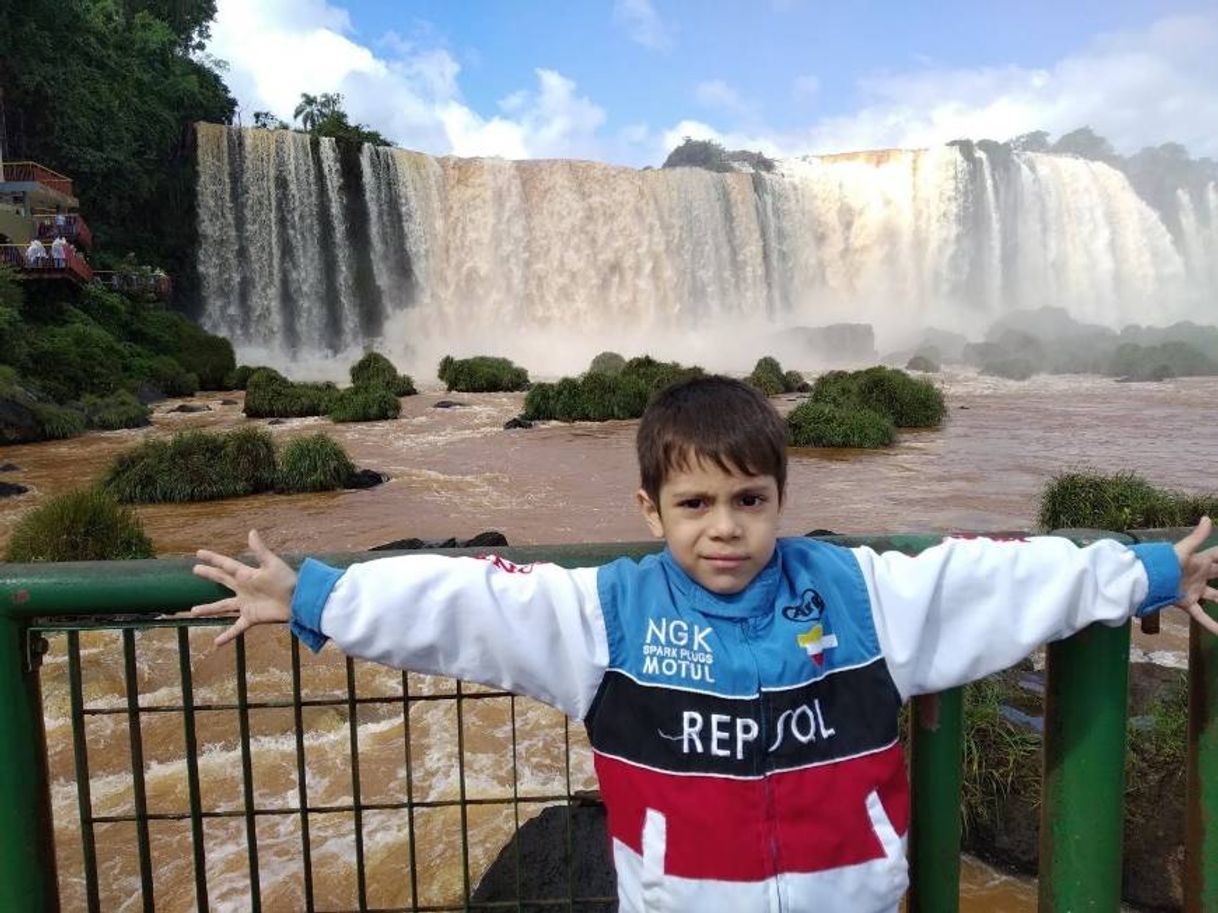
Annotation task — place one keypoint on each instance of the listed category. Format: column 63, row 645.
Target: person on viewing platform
column 740, row 691
column 59, row 252
column 35, row 254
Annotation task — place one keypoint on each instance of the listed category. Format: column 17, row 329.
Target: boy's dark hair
column 713, row 418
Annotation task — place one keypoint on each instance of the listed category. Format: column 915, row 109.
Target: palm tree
column 313, row 109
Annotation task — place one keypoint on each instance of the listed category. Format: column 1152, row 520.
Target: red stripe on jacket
column 805, row 820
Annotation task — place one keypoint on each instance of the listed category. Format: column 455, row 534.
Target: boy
column 740, row 691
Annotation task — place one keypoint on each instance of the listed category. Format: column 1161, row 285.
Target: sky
column 623, row 81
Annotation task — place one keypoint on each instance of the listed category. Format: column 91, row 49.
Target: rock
column 18, row 424
column 276, row 421
column 8, row 489
column 821, row 532
column 545, row 871
column 9, row 467
column 490, row 538
column 447, row 404
column 366, row 478
column 517, row 422
column 487, row 539
column 190, row 407
column 147, row 394
column 230, row 402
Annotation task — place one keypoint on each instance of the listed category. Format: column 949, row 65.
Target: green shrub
column 364, row 404
column 66, row 362
column 922, row 363
column 813, row 424
column 194, row 466
column 58, row 422
column 249, row 456
column 313, row 463
column 446, row 365
column 482, row 374
column 83, row 525
column 118, row 410
column 167, row 375
column 794, row 382
column 607, row 363
column 269, row 394
column 375, row 370
column 240, row 377
column 1091, row 500
column 599, row 397
column 906, row 401
column 767, row 376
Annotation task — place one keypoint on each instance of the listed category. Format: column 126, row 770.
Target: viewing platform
column 71, row 227
column 245, row 822
column 74, row 269
column 32, row 174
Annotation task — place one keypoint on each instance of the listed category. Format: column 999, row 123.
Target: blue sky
column 623, row 80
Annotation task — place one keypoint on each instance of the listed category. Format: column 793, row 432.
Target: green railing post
column 27, row 846
column 936, row 744
column 1201, row 815
column 1086, row 692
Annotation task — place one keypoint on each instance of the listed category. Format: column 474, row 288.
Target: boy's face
column 719, row 526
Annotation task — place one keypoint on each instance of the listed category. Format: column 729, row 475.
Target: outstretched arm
column 969, row 607
column 535, row 630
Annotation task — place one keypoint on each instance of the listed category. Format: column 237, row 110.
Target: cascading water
column 309, row 248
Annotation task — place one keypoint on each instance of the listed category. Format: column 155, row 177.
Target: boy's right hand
column 261, row 595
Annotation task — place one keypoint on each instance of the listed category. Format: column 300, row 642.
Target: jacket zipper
column 767, row 789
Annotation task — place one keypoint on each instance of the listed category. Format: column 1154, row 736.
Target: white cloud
column 277, row 49
column 643, row 24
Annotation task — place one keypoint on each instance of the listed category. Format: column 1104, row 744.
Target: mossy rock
column 313, row 463
column 83, row 525
column 906, row 401
column 482, row 374
column 599, row 397
column 194, row 466
column 269, row 394
column 375, row 370
column 813, row 424
column 365, row 404
column 610, row 363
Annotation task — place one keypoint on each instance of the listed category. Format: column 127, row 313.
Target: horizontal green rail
column 1084, row 744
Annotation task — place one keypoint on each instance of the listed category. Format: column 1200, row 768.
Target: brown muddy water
column 456, row 472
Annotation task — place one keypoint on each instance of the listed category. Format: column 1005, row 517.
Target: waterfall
column 311, row 249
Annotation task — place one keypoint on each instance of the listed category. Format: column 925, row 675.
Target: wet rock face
column 18, row 424
column 547, row 872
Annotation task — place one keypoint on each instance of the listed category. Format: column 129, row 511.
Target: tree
column 323, row 115
column 1087, row 144
column 1036, row 141
column 265, row 120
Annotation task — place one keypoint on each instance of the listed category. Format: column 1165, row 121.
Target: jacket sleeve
column 969, row 607
column 535, row 630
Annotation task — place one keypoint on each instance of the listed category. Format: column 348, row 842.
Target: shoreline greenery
column 208, row 466
column 596, row 396
column 864, row 408
column 1092, row 500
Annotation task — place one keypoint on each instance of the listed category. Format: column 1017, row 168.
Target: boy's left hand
column 1197, row 569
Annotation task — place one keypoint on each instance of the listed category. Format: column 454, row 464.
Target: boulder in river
column 487, row 539
column 9, row 489
column 366, row 478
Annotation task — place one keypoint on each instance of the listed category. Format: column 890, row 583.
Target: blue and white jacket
column 746, row 745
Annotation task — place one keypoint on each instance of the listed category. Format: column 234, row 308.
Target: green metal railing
column 46, row 605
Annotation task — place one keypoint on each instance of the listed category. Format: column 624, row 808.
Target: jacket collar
column 754, row 600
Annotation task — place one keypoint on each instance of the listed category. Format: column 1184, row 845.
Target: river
column 457, row 472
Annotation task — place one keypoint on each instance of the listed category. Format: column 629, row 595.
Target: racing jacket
column 746, row 745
